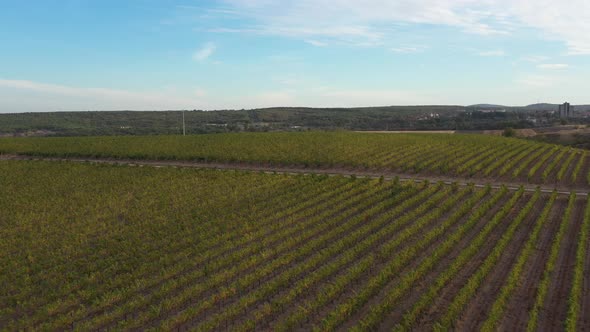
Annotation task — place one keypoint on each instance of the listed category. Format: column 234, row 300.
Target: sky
column 77, row 55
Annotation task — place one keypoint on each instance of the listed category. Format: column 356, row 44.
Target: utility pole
column 183, row 125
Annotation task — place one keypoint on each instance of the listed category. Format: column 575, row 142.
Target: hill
column 96, row 123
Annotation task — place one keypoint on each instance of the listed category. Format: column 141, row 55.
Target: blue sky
column 169, row 54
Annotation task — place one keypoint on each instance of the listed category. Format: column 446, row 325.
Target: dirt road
column 480, row 183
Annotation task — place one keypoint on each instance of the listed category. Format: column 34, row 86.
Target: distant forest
column 96, row 123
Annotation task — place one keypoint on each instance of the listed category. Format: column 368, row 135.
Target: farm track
column 312, row 248
column 479, row 182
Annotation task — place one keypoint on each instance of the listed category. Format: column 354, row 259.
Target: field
column 95, row 247
column 458, row 156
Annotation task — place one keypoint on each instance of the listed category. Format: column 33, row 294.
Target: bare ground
column 523, row 299
column 553, row 315
column 478, row 307
column 562, row 188
column 446, row 296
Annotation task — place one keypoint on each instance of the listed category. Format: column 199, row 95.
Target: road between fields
column 479, row 183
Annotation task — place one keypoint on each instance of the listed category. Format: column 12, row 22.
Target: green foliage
column 509, row 132
column 455, row 155
column 105, row 247
column 516, row 275
column 576, row 292
column 543, row 286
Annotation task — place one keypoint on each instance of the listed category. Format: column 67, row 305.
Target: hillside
column 93, row 123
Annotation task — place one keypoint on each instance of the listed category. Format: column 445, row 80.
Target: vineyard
column 103, row 247
column 460, row 156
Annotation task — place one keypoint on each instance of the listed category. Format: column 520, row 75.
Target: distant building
column 566, row 110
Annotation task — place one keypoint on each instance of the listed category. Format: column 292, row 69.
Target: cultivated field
column 94, row 247
column 459, row 156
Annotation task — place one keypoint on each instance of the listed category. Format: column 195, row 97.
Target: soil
column 553, row 315
column 244, row 272
column 446, row 296
column 406, row 303
column 354, row 289
column 478, row 308
column 523, row 298
column 513, row 184
column 584, row 322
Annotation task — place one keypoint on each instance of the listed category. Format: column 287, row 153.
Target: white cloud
column 535, row 58
column 567, row 21
column 553, row 66
column 538, row 81
column 199, row 92
column 23, row 95
column 373, row 22
column 328, row 97
column 287, row 80
column 316, row 43
column 204, row 52
column 270, row 99
column 366, row 23
column 496, row 53
column 408, row 49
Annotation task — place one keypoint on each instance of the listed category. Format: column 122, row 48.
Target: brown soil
column 538, row 176
column 406, row 303
column 193, row 268
column 182, row 245
column 446, row 296
column 554, row 313
column 563, row 188
column 276, row 272
column 412, row 265
column 584, row 321
column 507, row 177
column 581, row 180
column 316, row 318
column 477, row 309
column 310, row 294
column 523, row 298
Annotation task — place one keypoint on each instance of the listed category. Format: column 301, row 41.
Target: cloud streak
column 374, row 22
column 496, row 53
column 408, row 49
column 553, row 66
column 204, row 52
column 38, row 96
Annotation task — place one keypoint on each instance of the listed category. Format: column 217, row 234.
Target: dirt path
column 387, row 174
